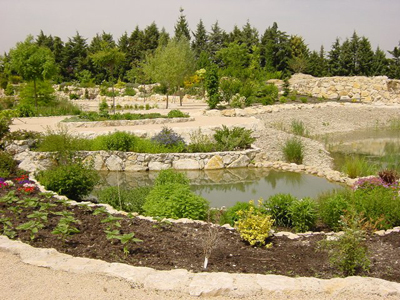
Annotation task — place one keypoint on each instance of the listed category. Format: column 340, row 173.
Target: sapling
column 113, row 221
column 210, row 240
column 162, row 223
column 128, row 238
column 64, row 227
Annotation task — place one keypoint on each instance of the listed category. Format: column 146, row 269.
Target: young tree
column 109, row 58
column 365, row 57
column 170, row 65
column 164, row 38
column 182, row 27
column 33, row 63
column 212, row 86
column 234, row 60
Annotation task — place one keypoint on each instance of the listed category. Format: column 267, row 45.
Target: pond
column 225, row 187
column 377, row 146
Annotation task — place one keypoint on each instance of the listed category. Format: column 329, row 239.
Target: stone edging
column 126, row 122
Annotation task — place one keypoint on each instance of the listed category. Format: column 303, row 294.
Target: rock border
column 126, row 122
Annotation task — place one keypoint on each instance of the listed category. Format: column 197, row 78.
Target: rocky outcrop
column 355, row 88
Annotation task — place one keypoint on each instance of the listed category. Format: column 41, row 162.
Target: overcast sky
column 318, row 21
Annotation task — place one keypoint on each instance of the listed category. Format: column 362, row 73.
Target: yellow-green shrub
column 254, row 226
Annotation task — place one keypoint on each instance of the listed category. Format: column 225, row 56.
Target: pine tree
column 75, row 57
column 275, row 49
column 217, row 39
column 136, row 47
column 235, row 36
column 299, row 53
column 394, row 64
column 365, row 57
column 249, row 36
column 164, row 38
column 182, row 27
column 200, row 42
column 334, row 55
column 379, row 63
column 151, row 35
column 346, row 59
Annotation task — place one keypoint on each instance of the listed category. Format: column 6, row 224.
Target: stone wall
column 356, row 88
column 130, row 161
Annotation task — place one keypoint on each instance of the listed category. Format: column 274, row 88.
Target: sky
column 319, row 22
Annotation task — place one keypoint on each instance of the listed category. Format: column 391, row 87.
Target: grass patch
column 298, row 128
column 293, row 150
column 356, row 166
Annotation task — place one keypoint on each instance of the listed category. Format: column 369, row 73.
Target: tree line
column 242, row 54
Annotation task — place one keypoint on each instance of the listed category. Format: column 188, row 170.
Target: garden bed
column 177, row 245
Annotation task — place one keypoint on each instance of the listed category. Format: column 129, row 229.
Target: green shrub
column 200, row 142
column 73, row 96
column 44, row 90
column 236, row 138
column 174, row 200
column 7, row 164
column 131, row 200
column 286, row 87
column 26, row 110
column 229, row 86
column 348, row 252
column 292, row 97
column 22, row 134
column 278, row 207
column 254, row 226
column 5, row 122
column 117, row 141
column 7, row 102
column 282, row 99
column 303, row 99
column 303, row 214
column 267, row 94
column 171, row 176
column 356, row 166
column 176, row 113
column 332, row 207
column 73, row 180
column 238, row 101
column 293, row 150
column 230, row 216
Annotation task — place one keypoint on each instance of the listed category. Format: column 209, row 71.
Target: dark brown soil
column 182, row 245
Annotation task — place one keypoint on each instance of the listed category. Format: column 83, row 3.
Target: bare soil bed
column 182, row 245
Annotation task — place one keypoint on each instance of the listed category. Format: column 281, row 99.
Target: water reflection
column 228, row 186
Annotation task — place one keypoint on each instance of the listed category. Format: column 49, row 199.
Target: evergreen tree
column 235, row 36
column 334, row 66
column 212, row 86
column 182, row 27
column 365, row 57
column 123, row 43
column 75, row 57
column 217, row 39
column 354, row 46
column 151, row 36
column 249, row 36
column 379, row 63
column 346, row 59
column 136, row 49
column 200, row 41
column 317, row 64
column 44, row 40
column 394, row 64
column 275, row 49
column 164, row 38
column 323, row 62
column 299, row 53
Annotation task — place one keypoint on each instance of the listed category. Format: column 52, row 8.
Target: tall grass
column 298, row 128
column 356, row 166
column 293, row 150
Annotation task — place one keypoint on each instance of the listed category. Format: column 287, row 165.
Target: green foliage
column 170, row 139
column 132, row 200
column 303, row 214
column 200, row 142
column 39, row 93
column 171, row 176
column 286, row 87
column 332, row 207
column 176, row 113
column 73, row 180
column 5, row 122
column 267, row 94
column 229, row 86
column 233, row 139
column 212, row 87
column 303, row 99
column 230, row 216
column 32, row 226
column 282, row 99
column 65, row 228
column 175, row 200
column 348, row 252
column 117, row 141
column 73, row 96
column 293, row 150
column 129, row 91
column 238, row 101
column 253, row 226
column 8, row 165
column 355, row 166
column 278, row 207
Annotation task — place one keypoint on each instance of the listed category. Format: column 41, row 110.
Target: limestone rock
column 186, row 164
column 215, row 162
column 242, row 161
column 114, row 163
column 157, row 166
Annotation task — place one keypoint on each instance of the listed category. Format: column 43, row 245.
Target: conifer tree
column 379, row 63
column 163, row 38
column 217, row 40
column 75, row 57
column 365, row 58
column 200, row 42
column 394, row 64
column 334, row 59
column 182, row 27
